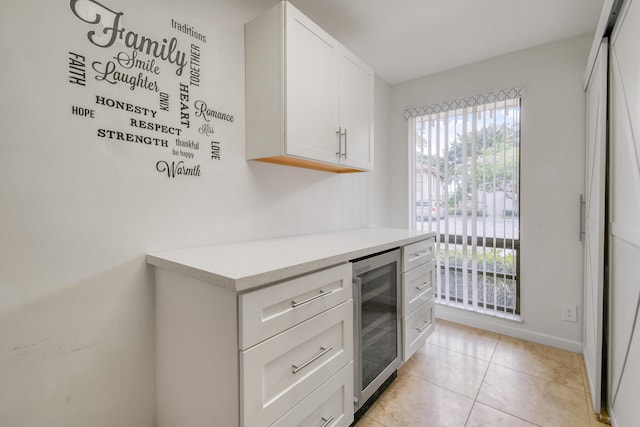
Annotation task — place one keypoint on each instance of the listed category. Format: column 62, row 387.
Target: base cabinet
column 295, row 370
column 268, row 342
column 418, row 301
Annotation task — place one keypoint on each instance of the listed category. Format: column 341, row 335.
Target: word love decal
column 147, row 88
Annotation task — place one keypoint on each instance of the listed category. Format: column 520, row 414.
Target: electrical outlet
column 569, row 313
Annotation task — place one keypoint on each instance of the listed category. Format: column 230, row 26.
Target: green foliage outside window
column 492, row 260
column 497, row 162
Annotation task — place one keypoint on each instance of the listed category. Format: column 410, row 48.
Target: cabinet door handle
column 339, row 133
column 322, row 293
column 424, row 285
column 345, row 143
column 326, row 421
column 323, row 351
column 583, row 203
column 427, row 323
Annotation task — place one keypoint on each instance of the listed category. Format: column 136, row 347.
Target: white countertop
column 246, row 265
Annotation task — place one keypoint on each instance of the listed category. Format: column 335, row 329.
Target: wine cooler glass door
column 378, row 323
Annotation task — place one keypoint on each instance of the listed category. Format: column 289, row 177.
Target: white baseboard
column 512, row 328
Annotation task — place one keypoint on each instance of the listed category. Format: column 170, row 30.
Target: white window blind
column 465, row 168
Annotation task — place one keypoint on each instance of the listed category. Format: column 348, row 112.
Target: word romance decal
column 146, row 88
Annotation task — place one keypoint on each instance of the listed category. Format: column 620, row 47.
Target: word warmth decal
column 147, row 87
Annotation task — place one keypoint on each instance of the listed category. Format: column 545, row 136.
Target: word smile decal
column 147, row 88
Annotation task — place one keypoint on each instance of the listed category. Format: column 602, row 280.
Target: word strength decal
column 145, row 87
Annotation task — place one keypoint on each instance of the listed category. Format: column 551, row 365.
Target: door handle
column 583, row 203
column 357, row 355
column 345, row 143
column 340, row 135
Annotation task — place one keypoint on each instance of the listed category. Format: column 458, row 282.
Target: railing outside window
column 496, row 274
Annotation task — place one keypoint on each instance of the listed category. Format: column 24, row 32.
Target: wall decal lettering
column 125, row 136
column 206, row 129
column 77, row 69
column 184, row 104
column 155, row 126
column 164, row 101
column 146, row 88
column 203, row 111
column 82, row 111
column 122, row 105
column 92, row 12
column 178, row 168
column 215, row 150
column 187, row 29
column 194, row 68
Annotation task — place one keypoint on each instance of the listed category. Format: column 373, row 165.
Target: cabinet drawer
column 417, row 254
column 269, row 311
column 417, row 287
column 331, row 405
column 278, row 373
column 417, row 327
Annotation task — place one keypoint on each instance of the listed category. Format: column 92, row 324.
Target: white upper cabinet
column 309, row 101
column 356, row 111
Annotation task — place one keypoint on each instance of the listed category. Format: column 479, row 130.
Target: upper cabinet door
column 312, row 87
column 356, row 111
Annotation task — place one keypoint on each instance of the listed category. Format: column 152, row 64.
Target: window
column 465, row 177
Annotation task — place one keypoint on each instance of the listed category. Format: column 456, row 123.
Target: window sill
column 483, row 311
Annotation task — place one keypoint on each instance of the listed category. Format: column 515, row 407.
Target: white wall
column 78, row 212
column 552, row 170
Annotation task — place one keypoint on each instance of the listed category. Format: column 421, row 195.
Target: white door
column 624, row 218
column 356, row 111
column 594, row 222
column 312, row 73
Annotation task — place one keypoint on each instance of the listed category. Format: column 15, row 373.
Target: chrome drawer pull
column 313, row 359
column 326, row 421
column 428, row 322
column 419, row 255
column 322, row 293
column 424, row 285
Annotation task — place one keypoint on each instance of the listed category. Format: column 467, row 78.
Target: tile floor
column 469, row 377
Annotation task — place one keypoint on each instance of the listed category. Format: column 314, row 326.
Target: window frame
column 457, row 237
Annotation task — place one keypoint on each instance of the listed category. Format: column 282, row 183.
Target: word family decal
column 146, row 88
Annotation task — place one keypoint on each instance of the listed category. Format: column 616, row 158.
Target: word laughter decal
column 147, row 88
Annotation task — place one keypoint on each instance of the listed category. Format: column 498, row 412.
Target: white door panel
column 624, row 196
column 624, row 299
column 594, row 223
